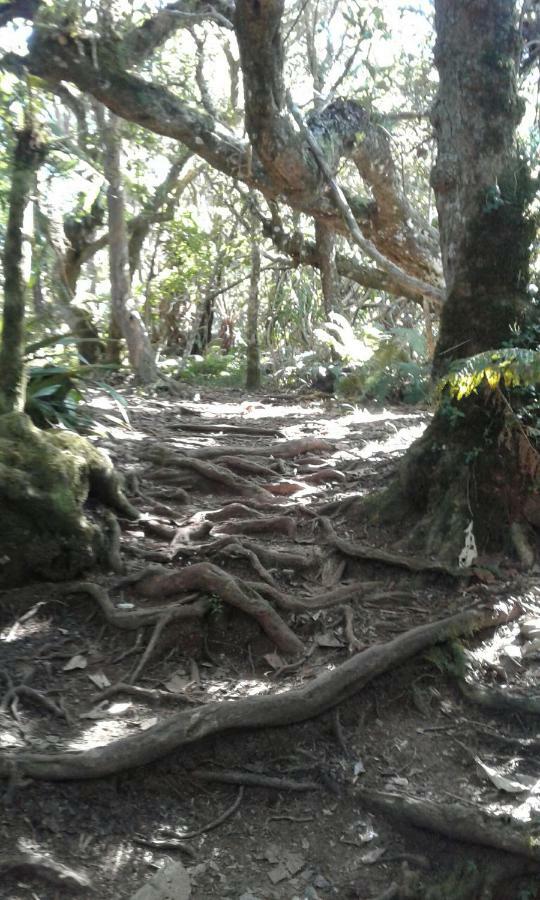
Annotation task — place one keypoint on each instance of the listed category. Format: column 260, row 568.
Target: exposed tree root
column 362, row 591
column 313, row 698
column 355, row 646
column 37, row 697
column 247, row 466
column 236, row 550
column 278, row 524
column 130, row 619
column 233, row 511
column 28, row 863
column 253, row 779
column 281, row 559
column 216, row 475
column 158, row 529
column 457, row 821
column 174, row 841
column 152, row 694
column 217, row 428
column 167, row 455
column 165, row 619
column 365, row 551
column 322, row 476
column 500, row 700
column 213, row 580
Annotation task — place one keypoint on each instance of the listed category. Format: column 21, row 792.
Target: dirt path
column 266, row 583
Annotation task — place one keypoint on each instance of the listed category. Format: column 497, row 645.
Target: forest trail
column 249, row 576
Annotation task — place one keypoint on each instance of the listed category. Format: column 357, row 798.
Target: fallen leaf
column 76, row 662
column 177, row 684
column 516, row 785
column 328, row 640
column 278, row 873
column 170, row 883
column 99, row 679
column 294, row 862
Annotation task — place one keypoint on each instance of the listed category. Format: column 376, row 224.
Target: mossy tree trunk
column 28, row 156
column 466, row 467
column 46, row 478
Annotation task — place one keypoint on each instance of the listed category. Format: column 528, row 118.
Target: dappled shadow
column 301, row 832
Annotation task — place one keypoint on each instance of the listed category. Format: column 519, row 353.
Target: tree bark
column 325, row 242
column 253, row 368
column 140, row 352
column 474, row 467
column 481, row 181
column 28, row 155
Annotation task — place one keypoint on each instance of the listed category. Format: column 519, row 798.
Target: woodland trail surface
column 250, row 577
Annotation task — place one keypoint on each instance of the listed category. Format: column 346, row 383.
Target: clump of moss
column 52, row 485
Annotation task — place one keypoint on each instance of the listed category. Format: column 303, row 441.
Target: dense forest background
column 201, row 245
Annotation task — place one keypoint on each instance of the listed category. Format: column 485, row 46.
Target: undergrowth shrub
column 215, row 368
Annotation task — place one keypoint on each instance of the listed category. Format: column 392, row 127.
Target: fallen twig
column 176, row 839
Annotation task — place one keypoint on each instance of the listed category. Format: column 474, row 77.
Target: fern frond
column 509, row 366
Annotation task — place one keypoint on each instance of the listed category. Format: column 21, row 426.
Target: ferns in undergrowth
column 510, row 367
column 513, row 375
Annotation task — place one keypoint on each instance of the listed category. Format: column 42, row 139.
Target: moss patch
column 46, row 482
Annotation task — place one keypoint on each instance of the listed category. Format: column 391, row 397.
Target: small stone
column 321, row 882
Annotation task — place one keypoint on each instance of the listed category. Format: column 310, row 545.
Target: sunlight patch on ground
column 402, row 439
column 103, row 732
column 24, row 629
column 8, row 740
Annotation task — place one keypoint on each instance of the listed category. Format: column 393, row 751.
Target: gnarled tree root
column 457, row 821
column 360, row 550
column 212, row 580
column 499, row 700
column 313, row 698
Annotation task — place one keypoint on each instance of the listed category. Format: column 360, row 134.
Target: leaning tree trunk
column 141, row 355
column 28, row 156
column 465, row 471
column 253, row 363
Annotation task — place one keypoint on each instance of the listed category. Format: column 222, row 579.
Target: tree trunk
column 325, row 241
column 46, row 478
column 480, row 179
column 28, row 156
column 469, row 469
column 140, row 352
column 253, row 368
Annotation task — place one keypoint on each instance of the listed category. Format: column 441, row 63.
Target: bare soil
column 312, row 832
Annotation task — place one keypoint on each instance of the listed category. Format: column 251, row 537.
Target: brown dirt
column 409, row 731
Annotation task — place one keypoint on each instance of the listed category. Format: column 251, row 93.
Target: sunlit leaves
column 511, row 367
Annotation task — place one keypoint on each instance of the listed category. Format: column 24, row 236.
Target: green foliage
column 396, row 371
column 215, row 368
column 448, row 658
column 509, row 367
column 52, row 397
